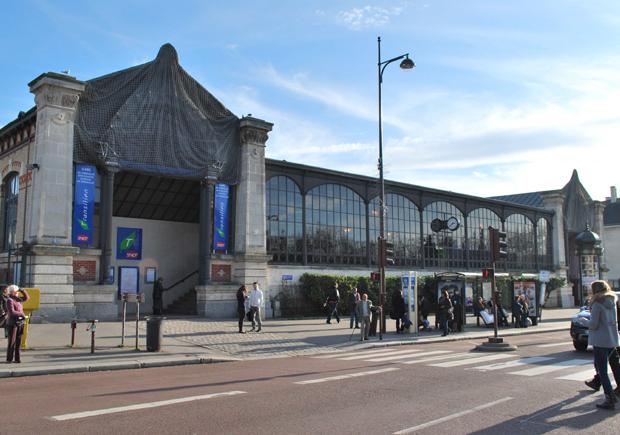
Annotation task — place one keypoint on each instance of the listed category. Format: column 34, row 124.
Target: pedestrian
column 256, row 300
column 354, row 298
column 16, row 322
column 242, row 295
column 614, row 363
column 332, row 304
column 444, row 307
column 603, row 336
column 517, row 309
column 425, row 309
column 502, row 314
column 398, row 310
column 363, row 314
column 525, row 312
column 158, row 296
column 4, row 310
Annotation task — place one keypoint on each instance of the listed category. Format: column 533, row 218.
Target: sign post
column 410, row 293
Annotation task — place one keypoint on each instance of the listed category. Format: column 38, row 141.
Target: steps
column 186, row 304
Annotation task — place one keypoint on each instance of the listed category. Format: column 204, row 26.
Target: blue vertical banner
column 220, row 217
column 84, row 204
column 129, row 243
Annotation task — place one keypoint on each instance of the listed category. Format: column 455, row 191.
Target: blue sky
column 507, row 96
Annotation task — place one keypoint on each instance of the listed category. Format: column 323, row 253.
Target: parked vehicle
column 579, row 327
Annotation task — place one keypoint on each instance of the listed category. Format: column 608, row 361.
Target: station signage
column 84, row 204
column 220, row 218
column 129, row 243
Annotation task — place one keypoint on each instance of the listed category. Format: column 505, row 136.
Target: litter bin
column 154, row 333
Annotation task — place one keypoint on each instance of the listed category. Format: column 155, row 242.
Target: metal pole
column 493, row 289
column 123, row 323
column 204, row 250
column 137, row 322
column 92, row 335
column 381, row 199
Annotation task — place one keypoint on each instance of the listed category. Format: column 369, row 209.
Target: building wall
column 171, row 247
column 612, row 251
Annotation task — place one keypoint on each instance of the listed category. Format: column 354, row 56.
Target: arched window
column 335, row 225
column 444, row 249
column 520, row 238
column 284, row 220
column 543, row 242
column 478, row 223
column 402, row 227
column 11, row 193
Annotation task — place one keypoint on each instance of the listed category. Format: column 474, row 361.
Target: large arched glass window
column 284, row 220
column 478, row 223
column 521, row 244
column 446, row 248
column 402, row 229
column 543, row 242
column 335, row 225
column 11, row 194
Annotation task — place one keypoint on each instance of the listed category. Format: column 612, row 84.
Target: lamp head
column 407, row 63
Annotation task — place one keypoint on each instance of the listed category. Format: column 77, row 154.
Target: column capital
column 56, row 90
column 254, row 131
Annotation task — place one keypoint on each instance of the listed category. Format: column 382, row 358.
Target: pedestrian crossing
column 572, row 369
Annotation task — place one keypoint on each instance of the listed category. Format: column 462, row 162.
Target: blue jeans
column 353, row 318
column 443, row 323
column 601, row 357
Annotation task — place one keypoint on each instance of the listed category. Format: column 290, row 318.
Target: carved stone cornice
column 56, row 90
column 254, row 131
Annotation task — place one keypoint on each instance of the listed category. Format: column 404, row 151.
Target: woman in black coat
column 398, row 310
column 242, row 295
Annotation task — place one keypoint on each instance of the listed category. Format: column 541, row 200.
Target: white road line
column 358, row 352
column 350, row 375
column 452, row 416
column 509, row 364
column 548, row 368
column 438, row 358
column 467, row 361
column 566, row 343
column 413, row 355
column 583, row 375
column 138, row 406
column 386, row 354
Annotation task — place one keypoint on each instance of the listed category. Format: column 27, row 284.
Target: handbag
column 249, row 316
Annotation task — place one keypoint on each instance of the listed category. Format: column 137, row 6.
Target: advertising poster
column 128, row 280
column 528, row 289
column 84, row 204
column 220, row 217
column 129, row 243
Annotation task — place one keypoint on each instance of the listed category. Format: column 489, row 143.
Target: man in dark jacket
column 332, row 304
column 158, row 294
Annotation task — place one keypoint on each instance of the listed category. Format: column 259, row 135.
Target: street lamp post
column 406, row 63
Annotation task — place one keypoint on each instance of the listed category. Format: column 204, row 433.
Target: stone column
column 48, row 229
column 598, row 208
column 204, row 249
column 555, row 201
column 110, row 168
column 250, row 238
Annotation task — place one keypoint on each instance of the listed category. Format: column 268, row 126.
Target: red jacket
column 15, row 307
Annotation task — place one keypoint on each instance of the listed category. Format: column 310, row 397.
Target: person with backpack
column 332, row 304
column 16, row 322
column 354, row 298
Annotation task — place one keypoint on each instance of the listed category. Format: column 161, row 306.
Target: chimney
column 614, row 195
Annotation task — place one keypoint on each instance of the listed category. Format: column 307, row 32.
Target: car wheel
column 580, row 346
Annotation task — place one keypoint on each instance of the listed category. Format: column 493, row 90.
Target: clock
column 453, row 224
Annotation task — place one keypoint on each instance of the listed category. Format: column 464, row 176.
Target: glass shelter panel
column 521, row 243
column 402, row 228
column 284, row 221
column 444, row 249
column 335, row 226
column 478, row 223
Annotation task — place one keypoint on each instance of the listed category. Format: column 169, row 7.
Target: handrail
column 182, row 280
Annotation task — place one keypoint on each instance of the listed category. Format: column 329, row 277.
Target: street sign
column 287, row 277
column 544, row 276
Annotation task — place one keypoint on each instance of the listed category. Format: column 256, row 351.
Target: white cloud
column 368, row 16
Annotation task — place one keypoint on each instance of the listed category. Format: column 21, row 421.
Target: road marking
column 583, row 375
column 350, row 375
column 452, row 416
column 438, row 358
column 566, row 343
column 548, row 368
column 359, row 352
column 509, row 364
column 386, row 354
column 413, row 355
column 467, row 361
column 138, row 406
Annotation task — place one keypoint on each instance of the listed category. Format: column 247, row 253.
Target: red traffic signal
column 375, row 276
column 488, row 273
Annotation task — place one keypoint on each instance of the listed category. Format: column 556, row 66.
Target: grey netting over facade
column 157, row 119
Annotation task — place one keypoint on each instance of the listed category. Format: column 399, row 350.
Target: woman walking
column 16, row 322
column 242, row 296
column 445, row 310
column 603, row 335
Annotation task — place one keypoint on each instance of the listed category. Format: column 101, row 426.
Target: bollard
column 73, row 326
column 92, row 328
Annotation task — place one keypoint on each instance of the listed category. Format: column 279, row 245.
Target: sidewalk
column 194, row 340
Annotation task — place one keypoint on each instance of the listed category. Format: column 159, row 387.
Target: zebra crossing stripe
column 356, row 353
column 385, row 354
column 350, row 375
column 438, row 358
column 548, row 368
column 583, row 375
column 413, row 355
column 510, row 364
column 467, row 361
column 566, row 343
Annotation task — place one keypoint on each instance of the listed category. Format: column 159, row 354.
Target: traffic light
column 389, row 254
column 488, row 273
column 375, row 276
column 499, row 246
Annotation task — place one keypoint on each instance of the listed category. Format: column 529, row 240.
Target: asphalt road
column 442, row 387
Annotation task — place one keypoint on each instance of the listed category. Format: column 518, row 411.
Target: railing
column 182, row 280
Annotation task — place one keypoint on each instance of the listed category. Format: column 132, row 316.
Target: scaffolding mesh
column 156, row 119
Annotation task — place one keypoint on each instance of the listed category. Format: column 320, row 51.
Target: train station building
column 111, row 183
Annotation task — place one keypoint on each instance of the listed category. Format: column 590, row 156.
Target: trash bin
column 154, row 333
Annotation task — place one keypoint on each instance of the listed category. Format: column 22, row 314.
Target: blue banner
column 84, row 204
column 129, row 243
column 220, row 218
